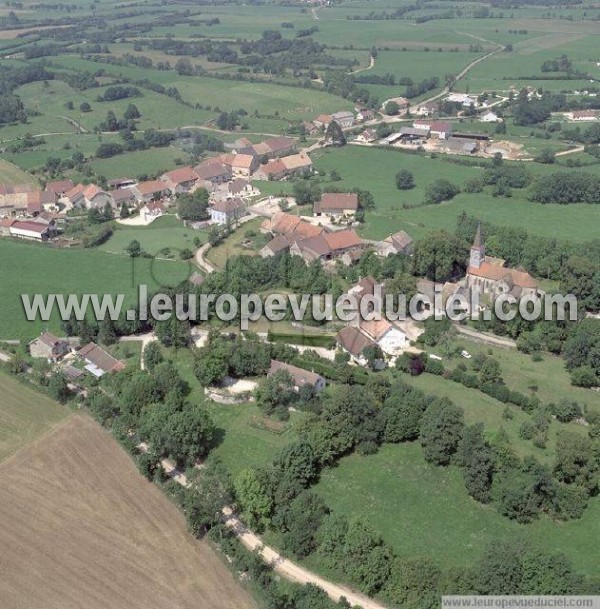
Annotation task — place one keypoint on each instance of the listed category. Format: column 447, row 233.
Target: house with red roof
column 179, row 180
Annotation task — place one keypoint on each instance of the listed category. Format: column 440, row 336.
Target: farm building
column 456, row 145
column 344, row 118
column 179, row 180
column 99, row 362
column 440, row 129
column 390, row 339
column 398, row 243
column 322, row 121
column 367, row 136
column 336, row 204
column 47, row 346
column 211, row 173
column 354, row 342
column 29, row 230
column 301, row 377
column 145, row 192
column 244, row 165
column 59, row 187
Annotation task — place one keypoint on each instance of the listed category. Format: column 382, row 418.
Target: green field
column 25, row 415
column 423, row 510
column 12, row 175
column 375, row 169
column 164, row 232
column 44, row 270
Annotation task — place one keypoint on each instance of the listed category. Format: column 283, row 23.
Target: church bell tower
column 477, row 257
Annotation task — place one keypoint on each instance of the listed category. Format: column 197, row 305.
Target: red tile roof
column 343, row 239
column 494, row 272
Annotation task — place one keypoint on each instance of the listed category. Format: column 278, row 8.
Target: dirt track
column 81, row 529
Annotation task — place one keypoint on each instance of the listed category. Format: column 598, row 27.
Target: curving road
column 283, row 566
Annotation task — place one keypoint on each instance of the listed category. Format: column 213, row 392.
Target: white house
column 152, row 210
column 490, row 117
column 367, row 136
column 227, row 211
column 390, row 339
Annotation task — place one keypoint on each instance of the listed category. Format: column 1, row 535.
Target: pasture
column 25, row 415
column 44, row 270
column 126, row 546
column 151, row 162
column 424, row 511
column 374, row 169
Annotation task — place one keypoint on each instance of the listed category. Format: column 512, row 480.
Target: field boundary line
column 52, row 429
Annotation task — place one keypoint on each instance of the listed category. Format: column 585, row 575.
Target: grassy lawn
column 291, row 103
column 165, row 232
column 240, row 443
column 232, row 245
column 25, row 414
column 548, row 379
column 44, row 270
column 423, row 510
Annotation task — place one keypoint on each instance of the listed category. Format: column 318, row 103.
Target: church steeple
column 477, row 257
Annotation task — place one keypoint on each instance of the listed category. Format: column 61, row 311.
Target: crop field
column 423, row 510
column 81, row 527
column 375, row 170
column 25, row 415
column 43, row 270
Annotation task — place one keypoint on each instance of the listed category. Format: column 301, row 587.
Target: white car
column 465, row 354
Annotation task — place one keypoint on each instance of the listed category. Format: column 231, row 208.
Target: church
column 489, row 276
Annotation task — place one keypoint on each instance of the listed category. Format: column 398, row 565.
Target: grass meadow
column 424, row 510
column 374, row 169
column 44, row 270
column 12, row 175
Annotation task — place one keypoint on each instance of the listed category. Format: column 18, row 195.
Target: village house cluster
column 72, row 359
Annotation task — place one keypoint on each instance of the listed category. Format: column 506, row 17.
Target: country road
column 281, row 565
column 460, row 75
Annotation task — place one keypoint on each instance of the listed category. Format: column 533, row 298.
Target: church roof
column 493, row 272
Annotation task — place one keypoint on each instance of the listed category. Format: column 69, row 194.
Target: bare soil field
column 82, row 529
